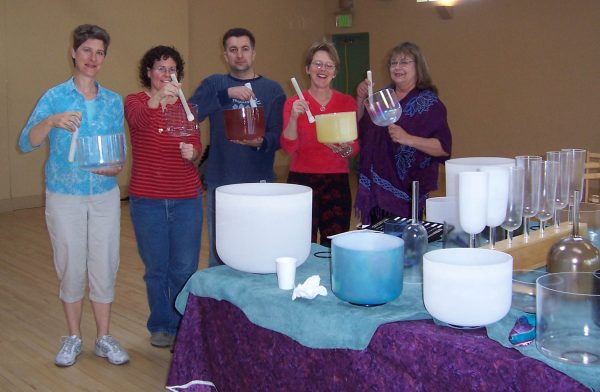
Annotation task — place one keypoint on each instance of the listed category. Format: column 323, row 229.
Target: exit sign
column 343, row 20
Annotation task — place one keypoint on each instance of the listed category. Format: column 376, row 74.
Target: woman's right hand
column 69, row 121
column 298, row 107
column 66, row 120
column 362, row 90
column 167, row 95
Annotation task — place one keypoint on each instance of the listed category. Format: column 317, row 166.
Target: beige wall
column 5, row 139
column 35, row 38
column 518, row 77
column 283, row 29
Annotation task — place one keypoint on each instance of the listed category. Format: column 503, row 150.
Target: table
column 224, row 341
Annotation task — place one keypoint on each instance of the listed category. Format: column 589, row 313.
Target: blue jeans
column 168, row 234
column 213, row 257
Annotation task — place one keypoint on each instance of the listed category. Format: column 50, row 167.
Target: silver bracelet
column 346, row 150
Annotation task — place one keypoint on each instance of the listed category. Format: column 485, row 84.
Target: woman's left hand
column 113, row 171
column 398, row 134
column 187, row 151
column 342, row 149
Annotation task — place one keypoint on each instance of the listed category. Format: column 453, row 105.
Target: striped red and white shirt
column 158, row 169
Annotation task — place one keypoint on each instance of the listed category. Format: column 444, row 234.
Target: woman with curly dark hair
column 165, row 194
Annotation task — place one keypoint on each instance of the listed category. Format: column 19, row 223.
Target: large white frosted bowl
column 467, row 287
column 458, row 165
column 258, row 222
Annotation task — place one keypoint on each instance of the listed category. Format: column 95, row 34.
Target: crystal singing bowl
column 589, row 213
column 467, row 287
column 568, row 317
column 367, row 268
column 244, row 123
column 100, row 151
column 336, row 127
column 177, row 122
column 457, row 165
column 523, row 287
column 383, row 107
column 259, row 222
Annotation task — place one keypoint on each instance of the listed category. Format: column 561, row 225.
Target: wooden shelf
column 532, row 253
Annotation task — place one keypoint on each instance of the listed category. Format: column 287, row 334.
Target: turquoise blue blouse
column 106, row 117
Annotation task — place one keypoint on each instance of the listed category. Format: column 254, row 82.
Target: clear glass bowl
column 568, row 317
column 383, row 107
column 177, row 123
column 100, row 151
column 523, row 289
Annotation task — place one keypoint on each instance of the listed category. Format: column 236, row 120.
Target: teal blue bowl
column 367, row 268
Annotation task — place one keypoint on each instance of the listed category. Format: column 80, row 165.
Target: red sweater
column 308, row 155
column 158, row 169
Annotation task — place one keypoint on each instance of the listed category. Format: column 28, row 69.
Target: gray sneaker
column 108, row 347
column 69, row 350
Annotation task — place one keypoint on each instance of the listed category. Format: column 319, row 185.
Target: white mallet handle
column 188, row 113
column 73, row 147
column 311, row 118
column 252, row 100
column 370, row 86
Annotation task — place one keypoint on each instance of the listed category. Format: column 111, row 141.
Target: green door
column 353, row 50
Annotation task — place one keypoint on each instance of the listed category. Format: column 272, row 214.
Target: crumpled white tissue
column 310, row 288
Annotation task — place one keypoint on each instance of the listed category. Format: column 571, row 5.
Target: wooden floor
column 32, row 321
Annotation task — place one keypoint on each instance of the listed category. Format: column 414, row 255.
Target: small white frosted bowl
column 467, row 287
column 257, row 222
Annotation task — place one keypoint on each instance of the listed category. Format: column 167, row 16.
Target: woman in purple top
column 409, row 150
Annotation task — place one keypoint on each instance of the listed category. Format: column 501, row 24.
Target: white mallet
column 311, row 118
column 74, row 136
column 252, row 100
column 188, row 113
column 370, row 87
column 73, row 147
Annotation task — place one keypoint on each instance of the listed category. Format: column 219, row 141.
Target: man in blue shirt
column 241, row 161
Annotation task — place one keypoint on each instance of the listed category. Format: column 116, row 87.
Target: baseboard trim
column 21, row 203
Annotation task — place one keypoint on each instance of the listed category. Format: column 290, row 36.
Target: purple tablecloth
column 217, row 343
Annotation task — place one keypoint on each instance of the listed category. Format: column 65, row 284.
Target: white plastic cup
column 442, row 209
column 286, row 272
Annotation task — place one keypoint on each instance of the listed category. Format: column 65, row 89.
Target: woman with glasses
column 323, row 167
column 410, row 150
column 165, row 194
column 83, row 208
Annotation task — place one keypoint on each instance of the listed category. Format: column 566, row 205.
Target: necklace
column 326, row 99
column 324, row 105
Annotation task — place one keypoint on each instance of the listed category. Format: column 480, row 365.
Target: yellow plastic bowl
column 336, row 127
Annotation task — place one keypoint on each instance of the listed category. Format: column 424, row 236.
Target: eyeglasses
column 401, row 63
column 163, row 69
column 320, row 65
